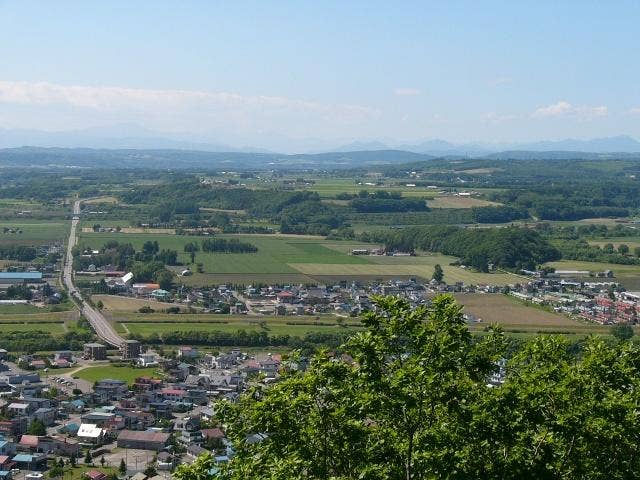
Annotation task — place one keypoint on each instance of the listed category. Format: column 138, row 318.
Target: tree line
column 511, row 247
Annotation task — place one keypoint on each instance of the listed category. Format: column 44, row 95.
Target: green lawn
column 127, row 374
column 78, row 472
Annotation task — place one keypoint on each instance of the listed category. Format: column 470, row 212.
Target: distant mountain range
column 172, row 159
column 132, row 136
column 618, row 144
column 198, row 160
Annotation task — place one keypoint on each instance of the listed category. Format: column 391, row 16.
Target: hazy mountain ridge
column 133, row 136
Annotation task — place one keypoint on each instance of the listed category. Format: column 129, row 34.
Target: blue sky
column 263, row 73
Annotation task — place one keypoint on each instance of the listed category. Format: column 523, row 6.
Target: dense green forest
column 513, row 248
column 411, row 398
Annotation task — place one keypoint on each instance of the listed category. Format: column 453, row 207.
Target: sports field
column 126, row 374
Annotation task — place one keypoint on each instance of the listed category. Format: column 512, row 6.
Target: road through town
column 100, row 324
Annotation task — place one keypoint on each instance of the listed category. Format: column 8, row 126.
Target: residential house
column 46, row 415
column 188, row 353
column 7, row 448
column 91, row 435
column 173, row 394
column 110, row 390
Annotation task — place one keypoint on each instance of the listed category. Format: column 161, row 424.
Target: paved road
column 102, row 327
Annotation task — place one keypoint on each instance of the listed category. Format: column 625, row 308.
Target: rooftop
column 143, row 436
column 21, row 275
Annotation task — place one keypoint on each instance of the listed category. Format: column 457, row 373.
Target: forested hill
column 193, row 159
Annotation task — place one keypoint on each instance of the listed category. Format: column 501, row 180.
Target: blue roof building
column 20, row 277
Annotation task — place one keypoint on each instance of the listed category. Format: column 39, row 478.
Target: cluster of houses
column 168, row 415
column 598, row 300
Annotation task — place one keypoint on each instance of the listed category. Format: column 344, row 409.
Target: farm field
column 33, row 232
column 631, row 242
column 105, row 199
column 459, row 202
column 49, row 327
column 52, row 322
column 148, row 328
column 199, row 279
column 300, row 259
column 126, row 374
column 422, row 270
column 515, row 315
column 114, row 302
column 27, row 308
column 147, row 324
column 273, row 256
column 329, row 188
column 39, row 317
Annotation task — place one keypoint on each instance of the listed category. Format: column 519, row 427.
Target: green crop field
column 329, row 188
column 124, row 373
column 27, row 308
column 147, row 324
column 148, row 328
column 33, row 232
column 53, row 328
column 422, row 269
column 287, row 259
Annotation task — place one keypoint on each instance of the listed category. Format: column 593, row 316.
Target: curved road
column 102, row 327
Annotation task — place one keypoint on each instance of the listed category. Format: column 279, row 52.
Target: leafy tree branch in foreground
column 409, row 399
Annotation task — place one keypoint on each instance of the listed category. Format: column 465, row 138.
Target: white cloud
column 183, row 109
column 407, row 92
column 566, row 109
column 635, row 111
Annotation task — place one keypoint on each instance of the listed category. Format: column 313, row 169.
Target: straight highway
column 98, row 322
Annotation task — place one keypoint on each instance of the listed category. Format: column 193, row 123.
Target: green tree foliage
column 623, row 249
column 622, row 331
column 123, row 467
column 438, row 273
column 382, row 201
column 164, row 278
column 222, row 245
column 412, row 402
column 37, row 428
column 505, row 247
